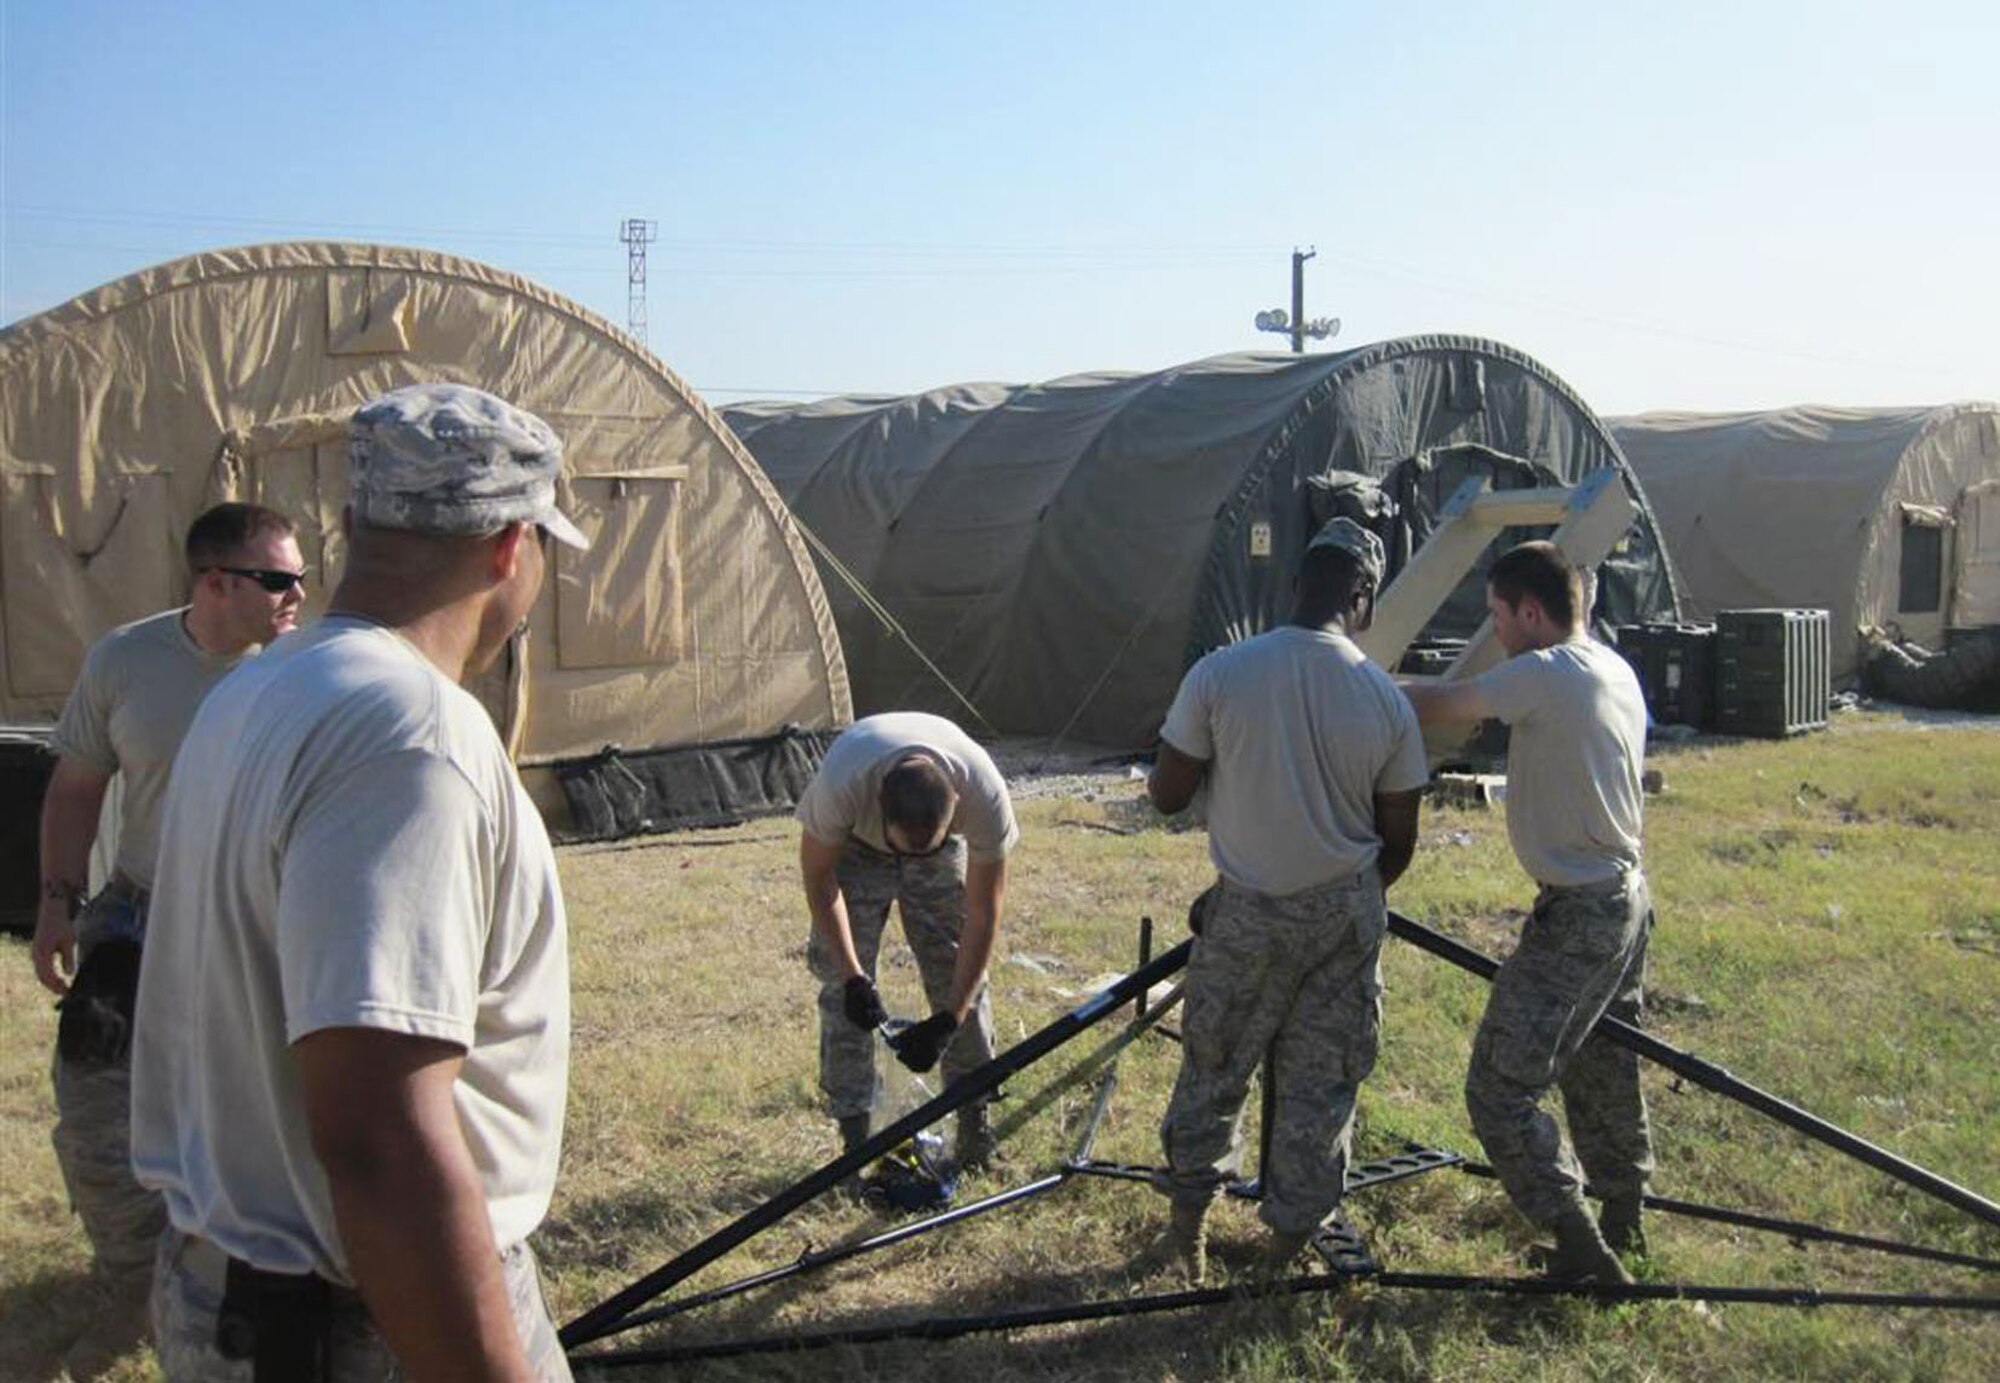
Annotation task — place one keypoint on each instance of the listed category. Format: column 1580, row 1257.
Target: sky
column 1688, row 205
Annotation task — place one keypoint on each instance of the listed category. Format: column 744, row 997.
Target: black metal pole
column 1712, row 1077
column 952, row 1327
column 826, row 1258
column 602, row 1319
column 1797, row 1230
column 1107, row 1052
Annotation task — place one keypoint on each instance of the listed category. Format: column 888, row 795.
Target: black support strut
column 951, row 1327
column 605, row 1318
column 1712, row 1077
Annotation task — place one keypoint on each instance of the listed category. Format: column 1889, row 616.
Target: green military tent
column 1062, row 551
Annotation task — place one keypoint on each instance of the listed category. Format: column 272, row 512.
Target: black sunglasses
column 276, row 582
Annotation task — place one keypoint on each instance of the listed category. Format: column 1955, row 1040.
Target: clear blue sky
column 1675, row 205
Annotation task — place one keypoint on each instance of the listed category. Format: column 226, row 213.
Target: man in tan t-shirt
column 1314, row 767
column 138, row 691
column 1578, row 723
column 905, row 809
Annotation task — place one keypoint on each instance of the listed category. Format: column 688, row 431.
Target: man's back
column 345, row 846
column 1301, row 732
column 1577, row 721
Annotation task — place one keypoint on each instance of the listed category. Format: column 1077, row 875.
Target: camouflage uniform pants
column 1582, row 955
column 93, row 1133
column 187, row 1295
column 1292, row 984
column 929, row 892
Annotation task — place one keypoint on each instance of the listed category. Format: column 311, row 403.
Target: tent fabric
column 1064, row 550
column 696, row 617
column 1810, row 507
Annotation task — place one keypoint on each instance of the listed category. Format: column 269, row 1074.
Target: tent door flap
column 1975, row 600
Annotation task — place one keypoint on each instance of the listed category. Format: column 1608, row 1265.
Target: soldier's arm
column 1175, row 776
column 1396, row 822
column 1449, row 703
column 408, row 1201
column 818, row 862
column 70, row 810
column 985, row 893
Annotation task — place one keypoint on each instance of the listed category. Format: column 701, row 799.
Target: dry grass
column 1828, row 928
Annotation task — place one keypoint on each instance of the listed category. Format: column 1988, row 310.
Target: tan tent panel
column 1886, row 517
column 696, row 617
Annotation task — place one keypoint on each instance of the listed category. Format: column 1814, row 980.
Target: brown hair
column 1539, row 569
column 223, row 531
column 917, row 797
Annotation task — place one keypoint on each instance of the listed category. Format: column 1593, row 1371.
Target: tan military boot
column 1182, row 1244
column 975, row 1144
column 1281, row 1253
column 121, row 1324
column 1620, row 1225
column 1581, row 1254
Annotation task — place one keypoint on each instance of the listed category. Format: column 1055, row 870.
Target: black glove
column 920, row 1045
column 862, row 1005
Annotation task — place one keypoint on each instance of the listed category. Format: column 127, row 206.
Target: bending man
column 1315, row 767
column 1578, row 722
column 906, row 809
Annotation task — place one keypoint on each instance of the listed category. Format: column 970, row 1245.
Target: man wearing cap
column 1314, row 767
column 1578, row 738
column 353, row 1025
column 139, row 688
column 906, row 809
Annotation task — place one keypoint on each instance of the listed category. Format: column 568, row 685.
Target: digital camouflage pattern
column 187, row 1298
column 93, row 1133
column 1292, row 983
column 1582, row 955
column 447, row 458
column 1354, row 540
column 929, row 892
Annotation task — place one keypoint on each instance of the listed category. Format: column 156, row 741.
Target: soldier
column 1315, row 768
column 357, row 900
column 1578, row 722
column 139, row 688
column 906, row 809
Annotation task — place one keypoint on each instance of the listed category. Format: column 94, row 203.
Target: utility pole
column 1299, row 259
column 1294, row 323
column 637, row 235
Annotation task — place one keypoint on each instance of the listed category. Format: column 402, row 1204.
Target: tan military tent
column 696, row 617
column 1887, row 517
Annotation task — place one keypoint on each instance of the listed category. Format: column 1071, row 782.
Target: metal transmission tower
column 1294, row 323
column 637, row 235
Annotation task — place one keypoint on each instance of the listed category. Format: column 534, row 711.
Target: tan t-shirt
column 844, row 798
column 1300, row 731
column 345, row 845
column 140, row 687
column 1578, row 722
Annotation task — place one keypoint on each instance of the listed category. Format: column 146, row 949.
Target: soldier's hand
column 920, row 1045
column 862, row 1005
column 54, row 948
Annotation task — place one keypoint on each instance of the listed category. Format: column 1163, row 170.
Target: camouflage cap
column 1351, row 538
column 448, row 458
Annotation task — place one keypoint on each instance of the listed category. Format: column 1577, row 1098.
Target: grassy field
column 1829, row 928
